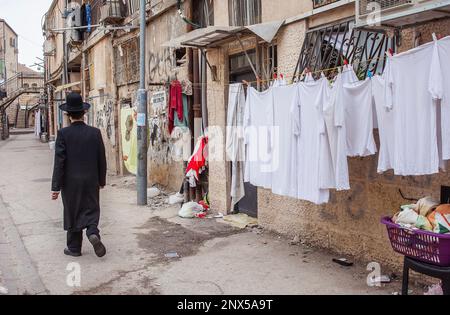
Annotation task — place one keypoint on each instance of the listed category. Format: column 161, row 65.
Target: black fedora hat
column 74, row 103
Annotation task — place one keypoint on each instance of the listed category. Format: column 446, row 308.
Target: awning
column 215, row 36
column 66, row 86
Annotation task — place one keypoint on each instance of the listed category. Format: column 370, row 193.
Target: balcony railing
column 321, row 3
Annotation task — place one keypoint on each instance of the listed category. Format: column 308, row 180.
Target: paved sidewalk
column 214, row 258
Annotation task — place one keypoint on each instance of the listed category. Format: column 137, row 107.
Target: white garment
column 258, row 122
column 444, row 93
column 358, row 118
column 336, row 131
column 235, row 141
column 308, row 124
column 411, row 85
column 284, row 175
column 385, row 122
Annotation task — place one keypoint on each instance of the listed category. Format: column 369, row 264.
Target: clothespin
column 369, row 74
column 389, row 52
column 434, row 36
column 281, row 76
column 245, row 82
column 345, row 62
column 274, row 76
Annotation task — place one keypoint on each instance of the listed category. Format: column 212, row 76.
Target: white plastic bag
column 189, row 209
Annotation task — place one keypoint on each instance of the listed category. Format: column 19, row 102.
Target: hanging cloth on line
column 235, row 148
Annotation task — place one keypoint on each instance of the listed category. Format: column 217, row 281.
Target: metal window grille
column 328, row 48
column 127, row 62
column 321, row 3
column 244, row 12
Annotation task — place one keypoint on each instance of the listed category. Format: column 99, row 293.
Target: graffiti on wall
column 104, row 119
column 161, row 65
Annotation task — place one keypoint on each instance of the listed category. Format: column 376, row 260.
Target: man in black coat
column 79, row 172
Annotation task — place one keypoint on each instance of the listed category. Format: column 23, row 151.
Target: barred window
column 244, row 12
column 126, row 57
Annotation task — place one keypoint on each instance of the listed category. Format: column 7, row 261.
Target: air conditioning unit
column 74, row 20
column 366, row 7
column 111, row 11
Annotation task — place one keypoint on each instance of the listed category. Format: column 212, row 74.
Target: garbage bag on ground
column 190, row 209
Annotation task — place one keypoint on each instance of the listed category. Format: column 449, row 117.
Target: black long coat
column 79, row 171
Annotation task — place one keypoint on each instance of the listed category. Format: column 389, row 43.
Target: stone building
column 283, row 37
column 8, row 69
column 101, row 61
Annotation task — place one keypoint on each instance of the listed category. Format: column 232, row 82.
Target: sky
column 25, row 16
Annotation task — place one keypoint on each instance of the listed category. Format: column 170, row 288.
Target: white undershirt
column 410, row 92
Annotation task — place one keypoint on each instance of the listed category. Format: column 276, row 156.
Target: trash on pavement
column 175, row 198
column 152, row 192
column 220, row 215
column 171, row 255
column 295, row 240
column 380, row 279
column 240, row 220
column 343, row 262
column 190, row 209
column 435, row 289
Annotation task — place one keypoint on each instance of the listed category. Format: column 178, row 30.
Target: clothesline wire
column 200, row 84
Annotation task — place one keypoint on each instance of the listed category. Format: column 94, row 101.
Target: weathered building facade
column 9, row 63
column 104, row 66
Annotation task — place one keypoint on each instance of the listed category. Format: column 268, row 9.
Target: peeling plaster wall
column 103, row 101
column 162, row 68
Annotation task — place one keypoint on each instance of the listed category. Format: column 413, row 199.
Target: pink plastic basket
column 422, row 245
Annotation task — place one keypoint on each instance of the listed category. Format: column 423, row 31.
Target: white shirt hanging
column 308, row 125
column 412, row 86
column 441, row 79
column 258, row 122
column 357, row 118
column 333, row 113
column 386, row 127
column 284, row 175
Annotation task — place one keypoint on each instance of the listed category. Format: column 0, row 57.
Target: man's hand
column 55, row 195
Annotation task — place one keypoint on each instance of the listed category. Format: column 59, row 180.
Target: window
column 12, row 42
column 321, row 3
column 244, row 12
column 34, row 85
column 329, row 47
column 26, row 85
column 133, row 5
column 204, row 12
column 126, row 57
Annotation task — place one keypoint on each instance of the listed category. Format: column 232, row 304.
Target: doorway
column 249, row 203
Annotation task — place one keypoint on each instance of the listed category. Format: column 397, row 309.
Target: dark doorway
column 248, row 204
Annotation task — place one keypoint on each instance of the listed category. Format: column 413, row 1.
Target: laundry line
column 200, row 85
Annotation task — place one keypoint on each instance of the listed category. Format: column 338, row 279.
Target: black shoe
column 99, row 248
column 68, row 252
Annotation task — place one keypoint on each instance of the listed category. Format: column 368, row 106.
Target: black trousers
column 75, row 238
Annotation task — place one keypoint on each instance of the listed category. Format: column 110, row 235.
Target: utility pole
column 142, row 122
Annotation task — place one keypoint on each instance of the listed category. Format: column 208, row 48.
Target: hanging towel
column 235, row 141
column 175, row 103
